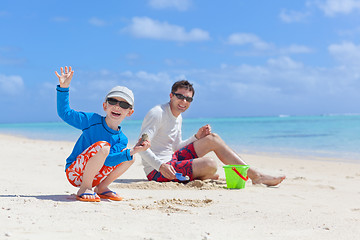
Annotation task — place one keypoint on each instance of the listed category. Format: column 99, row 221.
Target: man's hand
column 203, row 131
column 65, row 77
column 168, row 171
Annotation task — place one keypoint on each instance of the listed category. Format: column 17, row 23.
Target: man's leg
column 213, row 142
column 184, row 161
column 204, row 168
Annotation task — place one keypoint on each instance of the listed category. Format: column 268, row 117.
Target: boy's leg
column 92, row 167
column 213, row 142
column 103, row 186
column 87, row 165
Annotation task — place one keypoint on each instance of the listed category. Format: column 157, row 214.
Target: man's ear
column 130, row 112
column 104, row 106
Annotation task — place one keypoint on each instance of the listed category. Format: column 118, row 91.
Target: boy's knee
column 131, row 162
column 104, row 149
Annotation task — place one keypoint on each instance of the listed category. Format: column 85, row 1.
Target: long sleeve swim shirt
column 94, row 129
column 164, row 131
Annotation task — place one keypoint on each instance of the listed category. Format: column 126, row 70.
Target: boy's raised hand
column 65, row 77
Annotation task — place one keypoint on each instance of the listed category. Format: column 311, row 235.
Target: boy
column 99, row 155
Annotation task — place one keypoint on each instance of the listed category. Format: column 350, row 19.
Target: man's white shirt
column 164, row 131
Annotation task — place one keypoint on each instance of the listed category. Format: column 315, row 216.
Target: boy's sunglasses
column 181, row 97
column 122, row 104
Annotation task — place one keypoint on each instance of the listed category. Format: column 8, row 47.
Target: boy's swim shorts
column 74, row 172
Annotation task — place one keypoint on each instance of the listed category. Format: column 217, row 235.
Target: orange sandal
column 114, row 198
column 80, row 197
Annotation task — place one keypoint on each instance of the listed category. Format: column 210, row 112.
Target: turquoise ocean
column 334, row 136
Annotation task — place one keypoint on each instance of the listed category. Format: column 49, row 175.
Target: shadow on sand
column 131, row 180
column 55, row 198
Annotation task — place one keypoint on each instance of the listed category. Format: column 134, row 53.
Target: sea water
column 327, row 136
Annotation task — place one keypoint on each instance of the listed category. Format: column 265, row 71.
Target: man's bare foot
column 267, row 180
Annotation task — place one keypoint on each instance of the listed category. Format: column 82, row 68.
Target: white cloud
column 333, row 7
column 329, row 7
column 347, row 53
column 103, row 80
column 144, row 27
column 279, row 82
column 263, row 47
column 149, row 77
column 349, row 32
column 248, row 38
column 290, row 16
column 280, row 79
column 97, row 22
column 285, row 63
column 11, row 85
column 133, row 58
column 181, row 5
column 294, row 48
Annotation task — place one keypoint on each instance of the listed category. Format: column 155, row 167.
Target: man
column 163, row 126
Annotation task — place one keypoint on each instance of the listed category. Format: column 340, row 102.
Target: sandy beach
column 320, row 199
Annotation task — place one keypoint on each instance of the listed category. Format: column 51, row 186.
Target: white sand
column 320, row 199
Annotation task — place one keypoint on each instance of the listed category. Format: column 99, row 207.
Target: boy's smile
column 114, row 113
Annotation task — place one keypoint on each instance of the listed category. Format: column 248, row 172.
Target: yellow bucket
column 236, row 175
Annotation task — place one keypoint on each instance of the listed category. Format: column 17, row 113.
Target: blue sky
column 245, row 58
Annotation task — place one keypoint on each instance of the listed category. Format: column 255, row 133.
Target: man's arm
column 165, row 169
column 150, row 126
column 179, row 143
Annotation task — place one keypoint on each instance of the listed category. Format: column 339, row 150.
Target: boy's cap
column 122, row 92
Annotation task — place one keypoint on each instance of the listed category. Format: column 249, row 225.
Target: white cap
column 122, row 92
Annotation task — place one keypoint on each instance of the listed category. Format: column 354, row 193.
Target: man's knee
column 214, row 138
column 210, row 164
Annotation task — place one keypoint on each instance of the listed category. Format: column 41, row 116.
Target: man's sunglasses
column 122, row 104
column 181, row 97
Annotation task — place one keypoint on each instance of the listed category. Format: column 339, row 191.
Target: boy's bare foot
column 267, row 180
column 87, row 194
